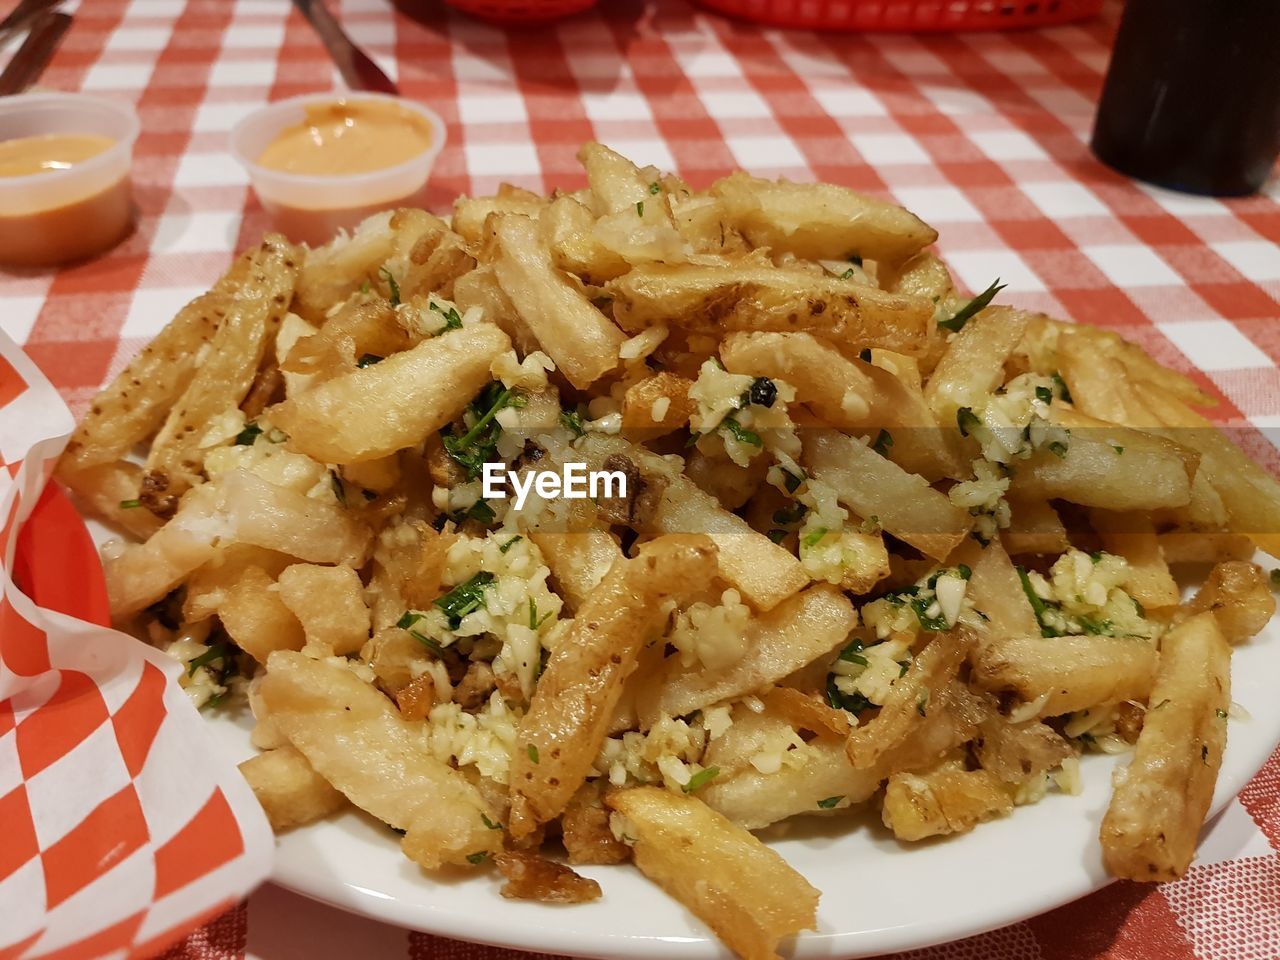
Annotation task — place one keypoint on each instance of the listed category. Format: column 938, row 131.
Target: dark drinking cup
column 1192, row 96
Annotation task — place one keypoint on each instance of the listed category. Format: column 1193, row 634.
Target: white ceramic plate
column 878, row 896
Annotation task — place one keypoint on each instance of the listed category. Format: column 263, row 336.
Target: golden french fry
column 795, row 632
column 945, row 800
column 577, row 336
column 559, row 737
column 903, row 503
column 831, row 386
column 109, row 491
column 329, row 603
column 723, row 298
column 743, row 890
column 820, row 221
column 291, row 793
column 254, row 617
column 221, row 381
column 973, row 363
column 1160, row 801
column 1239, row 596
column 373, row 412
column 352, row 736
column 1133, row 536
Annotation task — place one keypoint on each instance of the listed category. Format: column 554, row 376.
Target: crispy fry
column 1239, row 596
column 577, row 336
column 820, row 221
column 1160, row 800
column 942, row 801
column 291, row 793
column 373, row 412
column 743, row 890
column 561, row 734
column 352, row 736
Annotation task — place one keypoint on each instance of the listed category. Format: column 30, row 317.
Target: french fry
column 973, row 363
column 797, row 631
column 254, row 617
column 221, row 381
column 352, row 736
column 1160, row 800
column 579, row 560
column 470, row 213
column 373, row 412
column 207, row 587
column 265, row 515
column 577, row 336
column 1059, row 675
column 656, row 405
column 567, row 721
column 291, row 793
column 815, row 777
column 1034, row 528
column 739, row 887
column 138, row 400
column 945, row 800
column 1014, row 752
column 724, row 298
column 1239, row 596
column 831, row 386
column 903, row 503
column 908, row 703
column 1133, row 536
column 1196, row 546
column 996, row 590
column 329, row 603
column 109, row 491
column 819, row 221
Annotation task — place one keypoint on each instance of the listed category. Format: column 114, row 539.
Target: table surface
column 982, row 135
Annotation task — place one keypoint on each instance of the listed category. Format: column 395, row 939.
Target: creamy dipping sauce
column 49, row 152
column 348, row 137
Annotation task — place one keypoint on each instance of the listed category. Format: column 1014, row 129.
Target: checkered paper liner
column 117, row 833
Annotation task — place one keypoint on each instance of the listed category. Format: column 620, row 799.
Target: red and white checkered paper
column 119, row 828
column 983, row 135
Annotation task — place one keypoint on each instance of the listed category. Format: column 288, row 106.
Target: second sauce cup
column 323, row 162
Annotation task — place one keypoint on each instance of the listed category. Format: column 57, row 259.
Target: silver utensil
column 358, row 70
column 35, row 53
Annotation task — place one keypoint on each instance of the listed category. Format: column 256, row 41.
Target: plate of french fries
column 896, row 615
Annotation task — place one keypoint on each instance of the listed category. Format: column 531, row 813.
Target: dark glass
column 1192, row 96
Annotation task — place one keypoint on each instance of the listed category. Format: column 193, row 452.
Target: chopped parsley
column 966, row 313
column 830, row 802
column 847, row 274
column 1058, row 449
column 489, row 823
column 571, row 420
column 534, row 622
column 814, row 536
column 882, row 443
column 790, row 480
column 479, row 444
column 854, row 703
column 452, row 320
column 777, row 536
column 1061, row 386
column 741, row 433
column 639, row 208
column 1220, row 714
column 394, row 287
column 218, row 651
column 1044, row 394
column 922, row 705
column 533, row 753
column 248, row 435
column 853, row 653
column 477, row 858
column 510, row 543
column 130, row 504
column 701, row 779
column 1038, row 606
column 464, row 598
column 791, row 514
column 1117, row 448
column 655, row 188
column 967, row 420
column 368, row 360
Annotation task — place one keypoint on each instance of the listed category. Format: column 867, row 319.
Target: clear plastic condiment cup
column 310, row 209
column 62, row 215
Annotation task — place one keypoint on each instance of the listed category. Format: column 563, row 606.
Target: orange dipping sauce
column 348, row 137
column 80, row 227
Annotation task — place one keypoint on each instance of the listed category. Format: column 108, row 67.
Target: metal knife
column 22, row 14
column 358, row 70
column 35, row 53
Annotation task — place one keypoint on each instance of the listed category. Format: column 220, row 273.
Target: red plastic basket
column 908, row 15
column 521, row 11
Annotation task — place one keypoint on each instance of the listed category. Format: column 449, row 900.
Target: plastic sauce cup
column 311, row 209
column 63, row 215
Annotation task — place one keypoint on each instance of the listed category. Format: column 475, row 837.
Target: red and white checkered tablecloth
column 982, row 135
